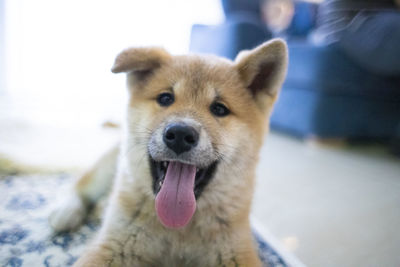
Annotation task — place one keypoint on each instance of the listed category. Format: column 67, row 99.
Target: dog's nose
column 180, row 137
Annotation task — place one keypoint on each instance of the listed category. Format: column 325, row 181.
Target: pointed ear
column 263, row 70
column 140, row 61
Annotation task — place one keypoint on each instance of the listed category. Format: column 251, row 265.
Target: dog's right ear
column 263, row 70
column 140, row 61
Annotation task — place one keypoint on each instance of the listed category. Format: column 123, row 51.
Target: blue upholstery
column 326, row 93
column 242, row 29
column 303, row 20
column 237, row 33
column 232, row 7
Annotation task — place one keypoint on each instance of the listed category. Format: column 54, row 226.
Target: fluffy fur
column 219, row 232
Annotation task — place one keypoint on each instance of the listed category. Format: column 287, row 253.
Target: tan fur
column 219, row 233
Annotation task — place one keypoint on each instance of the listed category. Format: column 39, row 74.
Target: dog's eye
column 219, row 109
column 165, row 99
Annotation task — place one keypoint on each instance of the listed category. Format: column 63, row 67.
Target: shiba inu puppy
column 184, row 173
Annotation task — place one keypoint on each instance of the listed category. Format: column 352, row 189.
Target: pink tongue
column 175, row 203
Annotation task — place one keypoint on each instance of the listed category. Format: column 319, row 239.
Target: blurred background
column 329, row 177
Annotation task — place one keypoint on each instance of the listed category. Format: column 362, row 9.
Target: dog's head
column 198, row 120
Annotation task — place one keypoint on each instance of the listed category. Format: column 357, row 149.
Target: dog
column 185, row 169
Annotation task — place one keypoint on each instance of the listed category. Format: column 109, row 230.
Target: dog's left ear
column 263, row 70
column 140, row 60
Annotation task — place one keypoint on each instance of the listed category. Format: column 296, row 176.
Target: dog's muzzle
column 182, row 162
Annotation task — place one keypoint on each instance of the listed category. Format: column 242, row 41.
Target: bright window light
column 59, row 53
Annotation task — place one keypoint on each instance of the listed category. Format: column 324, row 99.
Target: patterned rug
column 26, row 238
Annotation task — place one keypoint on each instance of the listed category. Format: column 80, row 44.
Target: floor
column 330, row 206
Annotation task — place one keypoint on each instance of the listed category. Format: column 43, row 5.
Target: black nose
column 180, row 137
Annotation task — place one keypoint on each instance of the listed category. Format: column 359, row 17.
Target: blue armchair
column 326, row 94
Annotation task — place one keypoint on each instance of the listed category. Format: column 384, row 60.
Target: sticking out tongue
column 176, row 203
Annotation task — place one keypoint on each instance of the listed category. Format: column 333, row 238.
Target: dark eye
column 219, row 109
column 165, row 99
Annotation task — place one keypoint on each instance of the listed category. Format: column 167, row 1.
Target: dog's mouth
column 177, row 185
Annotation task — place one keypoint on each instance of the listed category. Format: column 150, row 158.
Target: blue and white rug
column 26, row 239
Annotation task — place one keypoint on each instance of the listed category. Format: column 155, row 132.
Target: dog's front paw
column 69, row 215
column 100, row 256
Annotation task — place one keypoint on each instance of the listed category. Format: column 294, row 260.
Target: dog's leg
column 87, row 190
column 99, row 256
column 242, row 253
column 106, row 256
column 249, row 260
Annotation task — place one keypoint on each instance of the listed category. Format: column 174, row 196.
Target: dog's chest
column 166, row 249
column 157, row 254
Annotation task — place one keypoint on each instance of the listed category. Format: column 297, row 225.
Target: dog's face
column 194, row 117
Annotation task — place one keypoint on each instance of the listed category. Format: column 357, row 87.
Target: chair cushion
column 328, row 70
column 237, row 33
